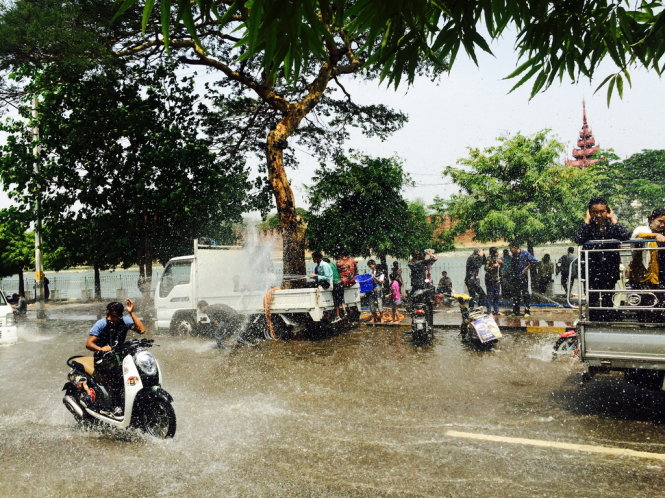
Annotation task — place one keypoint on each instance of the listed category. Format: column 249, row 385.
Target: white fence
column 81, row 285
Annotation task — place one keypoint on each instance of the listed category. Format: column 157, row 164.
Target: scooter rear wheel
column 157, row 418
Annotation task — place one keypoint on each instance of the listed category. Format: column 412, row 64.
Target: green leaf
column 165, row 11
column 147, row 12
column 230, row 12
column 603, row 82
column 188, row 21
column 123, row 8
column 610, row 88
column 522, row 67
column 526, row 77
column 538, row 84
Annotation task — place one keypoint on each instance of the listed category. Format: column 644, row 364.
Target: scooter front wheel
column 565, row 345
column 157, row 418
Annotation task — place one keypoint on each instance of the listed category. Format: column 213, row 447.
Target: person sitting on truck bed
column 323, row 274
column 647, row 268
column 600, row 223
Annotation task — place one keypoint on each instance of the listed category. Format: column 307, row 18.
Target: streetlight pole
column 39, row 267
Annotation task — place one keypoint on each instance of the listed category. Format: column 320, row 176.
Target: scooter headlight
column 146, row 362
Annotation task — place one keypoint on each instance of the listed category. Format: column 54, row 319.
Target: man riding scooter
column 106, row 334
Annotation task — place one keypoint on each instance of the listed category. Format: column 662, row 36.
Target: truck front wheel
column 183, row 325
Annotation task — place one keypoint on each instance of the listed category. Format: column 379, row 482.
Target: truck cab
column 174, row 291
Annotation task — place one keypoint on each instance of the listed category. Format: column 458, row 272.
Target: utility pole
column 39, row 267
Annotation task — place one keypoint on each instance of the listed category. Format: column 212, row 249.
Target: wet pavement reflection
column 363, row 413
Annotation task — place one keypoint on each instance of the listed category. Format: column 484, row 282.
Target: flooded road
column 362, row 414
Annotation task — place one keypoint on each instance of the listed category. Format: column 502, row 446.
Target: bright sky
column 471, row 107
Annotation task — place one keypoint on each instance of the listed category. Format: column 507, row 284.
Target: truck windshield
column 176, row 273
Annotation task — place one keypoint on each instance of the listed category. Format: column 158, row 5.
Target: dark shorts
column 338, row 294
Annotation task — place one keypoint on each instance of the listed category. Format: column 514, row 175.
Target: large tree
column 634, row 185
column 17, row 245
column 357, row 207
column 518, row 190
column 269, row 108
column 124, row 171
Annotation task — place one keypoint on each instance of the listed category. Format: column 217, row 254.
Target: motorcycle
column 422, row 315
column 478, row 329
column 146, row 405
column 566, row 345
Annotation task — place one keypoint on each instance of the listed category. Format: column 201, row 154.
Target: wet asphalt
column 363, row 413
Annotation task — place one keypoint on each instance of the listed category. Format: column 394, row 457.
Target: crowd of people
column 506, row 276
column 337, row 275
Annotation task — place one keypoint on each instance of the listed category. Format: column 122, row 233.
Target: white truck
column 237, row 282
column 622, row 329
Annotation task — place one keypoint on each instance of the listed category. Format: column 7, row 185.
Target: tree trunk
column 21, row 283
column 98, row 284
column 293, row 226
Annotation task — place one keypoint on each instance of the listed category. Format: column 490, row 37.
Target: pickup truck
column 623, row 328
column 236, row 284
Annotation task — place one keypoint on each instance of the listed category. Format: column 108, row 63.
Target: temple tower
column 586, row 145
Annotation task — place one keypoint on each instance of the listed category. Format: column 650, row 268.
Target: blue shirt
column 324, row 272
column 109, row 334
column 522, row 260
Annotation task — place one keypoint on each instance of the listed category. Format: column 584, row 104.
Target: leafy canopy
column 517, row 190
column 634, row 185
column 357, row 207
column 125, row 175
column 554, row 38
column 17, row 245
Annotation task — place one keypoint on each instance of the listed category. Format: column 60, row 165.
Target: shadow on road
column 613, row 398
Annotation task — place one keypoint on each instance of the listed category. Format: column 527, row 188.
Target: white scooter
column 146, row 405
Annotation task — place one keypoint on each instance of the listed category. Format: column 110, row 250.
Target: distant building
column 444, row 223
column 586, row 146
